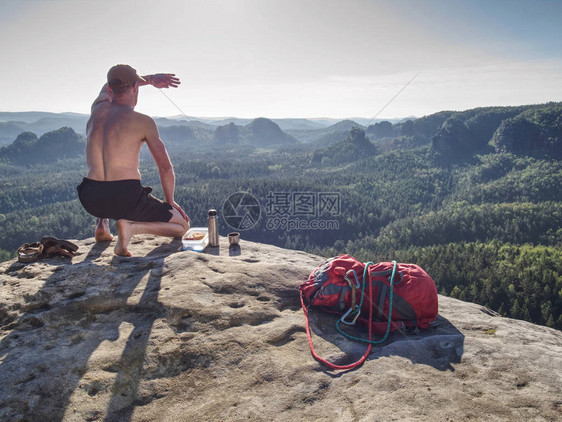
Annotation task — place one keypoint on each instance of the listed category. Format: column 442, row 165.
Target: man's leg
column 176, row 227
column 102, row 233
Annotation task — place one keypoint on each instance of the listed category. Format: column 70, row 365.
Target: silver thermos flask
column 213, row 229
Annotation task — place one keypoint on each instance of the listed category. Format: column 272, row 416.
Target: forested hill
column 474, row 197
column 354, row 147
column 260, row 132
column 529, row 130
column 52, row 146
column 12, row 124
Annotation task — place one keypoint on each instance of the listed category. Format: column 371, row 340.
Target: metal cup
column 233, row 238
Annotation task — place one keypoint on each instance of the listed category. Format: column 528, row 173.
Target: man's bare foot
column 102, row 233
column 124, row 234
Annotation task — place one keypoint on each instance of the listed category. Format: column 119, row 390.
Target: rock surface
column 183, row 336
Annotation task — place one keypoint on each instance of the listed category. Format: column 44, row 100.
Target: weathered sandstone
column 184, row 336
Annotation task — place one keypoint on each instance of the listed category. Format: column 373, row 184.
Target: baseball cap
column 122, row 74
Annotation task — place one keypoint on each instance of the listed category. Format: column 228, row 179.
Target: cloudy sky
column 284, row 58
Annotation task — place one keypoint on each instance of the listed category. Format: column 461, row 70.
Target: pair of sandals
column 30, row 252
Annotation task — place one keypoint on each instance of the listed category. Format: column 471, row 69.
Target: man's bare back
column 115, row 135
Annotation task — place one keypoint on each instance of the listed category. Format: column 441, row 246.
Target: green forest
column 474, row 197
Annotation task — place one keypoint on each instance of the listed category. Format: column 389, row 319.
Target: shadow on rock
column 96, row 251
column 63, row 326
column 439, row 346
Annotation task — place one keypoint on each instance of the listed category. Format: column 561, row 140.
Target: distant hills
column 530, row 130
column 355, row 147
column 260, row 132
column 452, row 135
column 326, row 136
column 50, row 147
column 12, row 124
column 323, row 130
column 537, row 129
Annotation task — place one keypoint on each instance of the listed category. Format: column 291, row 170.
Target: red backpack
column 368, row 293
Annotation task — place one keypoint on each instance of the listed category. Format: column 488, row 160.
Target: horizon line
column 180, row 116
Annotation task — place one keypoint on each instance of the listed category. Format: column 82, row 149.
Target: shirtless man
column 115, row 134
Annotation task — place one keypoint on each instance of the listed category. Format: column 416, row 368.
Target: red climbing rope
column 324, row 361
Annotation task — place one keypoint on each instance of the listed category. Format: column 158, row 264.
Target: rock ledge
column 182, row 336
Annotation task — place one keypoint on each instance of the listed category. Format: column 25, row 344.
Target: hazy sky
column 284, row 58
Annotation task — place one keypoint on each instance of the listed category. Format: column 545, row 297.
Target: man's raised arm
column 104, row 96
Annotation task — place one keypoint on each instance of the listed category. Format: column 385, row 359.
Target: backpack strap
column 388, row 274
column 331, row 289
column 383, row 290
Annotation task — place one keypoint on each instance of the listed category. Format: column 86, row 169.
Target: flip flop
column 29, row 252
column 49, row 242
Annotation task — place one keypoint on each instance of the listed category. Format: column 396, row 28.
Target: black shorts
column 126, row 199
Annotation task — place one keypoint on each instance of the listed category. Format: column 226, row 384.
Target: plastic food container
column 192, row 244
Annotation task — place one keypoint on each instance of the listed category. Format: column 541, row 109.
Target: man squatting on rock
column 115, row 134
